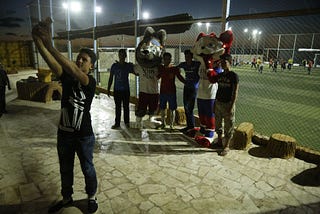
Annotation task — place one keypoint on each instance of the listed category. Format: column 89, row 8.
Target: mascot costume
column 149, row 56
column 207, row 50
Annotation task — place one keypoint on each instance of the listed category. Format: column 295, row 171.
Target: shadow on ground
column 259, row 152
column 149, row 142
column 309, row 177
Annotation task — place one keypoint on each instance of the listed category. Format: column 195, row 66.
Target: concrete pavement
column 147, row 171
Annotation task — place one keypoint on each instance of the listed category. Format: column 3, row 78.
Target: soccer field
column 286, row 102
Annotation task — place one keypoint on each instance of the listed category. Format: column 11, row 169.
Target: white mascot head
column 150, row 50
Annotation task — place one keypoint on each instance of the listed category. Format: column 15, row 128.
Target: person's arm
column 180, row 77
column 7, row 79
column 131, row 68
column 136, row 69
column 234, row 96
column 110, row 81
column 43, row 31
column 46, row 55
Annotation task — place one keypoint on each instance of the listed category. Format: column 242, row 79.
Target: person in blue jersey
column 75, row 132
column 191, row 69
column 121, row 90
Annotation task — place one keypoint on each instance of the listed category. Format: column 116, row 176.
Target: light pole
column 199, row 24
column 136, row 33
column 96, row 9
column 256, row 36
column 258, row 41
column 70, row 6
column 207, row 27
column 247, row 38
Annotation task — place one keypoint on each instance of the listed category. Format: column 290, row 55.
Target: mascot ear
column 200, row 35
column 226, row 38
column 212, row 35
column 162, row 35
column 149, row 31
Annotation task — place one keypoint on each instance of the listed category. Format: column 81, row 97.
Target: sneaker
column 224, row 152
column 61, row 204
column 162, row 126
column 92, row 205
column 184, row 130
column 115, row 126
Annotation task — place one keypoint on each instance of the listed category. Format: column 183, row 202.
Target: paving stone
column 29, row 192
column 173, row 176
column 152, row 188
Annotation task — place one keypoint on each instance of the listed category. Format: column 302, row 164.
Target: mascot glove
column 212, row 75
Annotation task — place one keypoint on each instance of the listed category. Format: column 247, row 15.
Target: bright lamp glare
column 65, row 5
column 98, row 9
column 74, row 6
column 199, row 23
column 145, row 15
column 254, row 32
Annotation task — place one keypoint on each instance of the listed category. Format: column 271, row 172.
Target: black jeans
column 2, row 99
column 122, row 97
column 67, row 148
column 189, row 98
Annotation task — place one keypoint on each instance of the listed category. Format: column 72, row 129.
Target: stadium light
column 73, row 6
column 207, row 26
column 146, row 15
column 308, row 50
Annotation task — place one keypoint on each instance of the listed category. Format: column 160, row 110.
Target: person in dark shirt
column 4, row 81
column 75, row 133
column 224, row 107
column 191, row 69
column 121, row 90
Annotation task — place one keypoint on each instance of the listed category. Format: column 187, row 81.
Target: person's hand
column 42, row 31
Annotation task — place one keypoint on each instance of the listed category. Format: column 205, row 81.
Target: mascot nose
column 145, row 51
column 203, row 47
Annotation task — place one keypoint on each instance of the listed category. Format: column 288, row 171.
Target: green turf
column 286, row 102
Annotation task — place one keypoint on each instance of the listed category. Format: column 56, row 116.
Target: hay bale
column 260, row 140
column 281, row 146
column 44, row 75
column 180, row 116
column 243, row 135
column 308, row 155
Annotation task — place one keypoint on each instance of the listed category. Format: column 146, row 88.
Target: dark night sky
column 14, row 15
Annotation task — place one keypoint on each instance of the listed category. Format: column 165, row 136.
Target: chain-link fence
column 279, row 100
